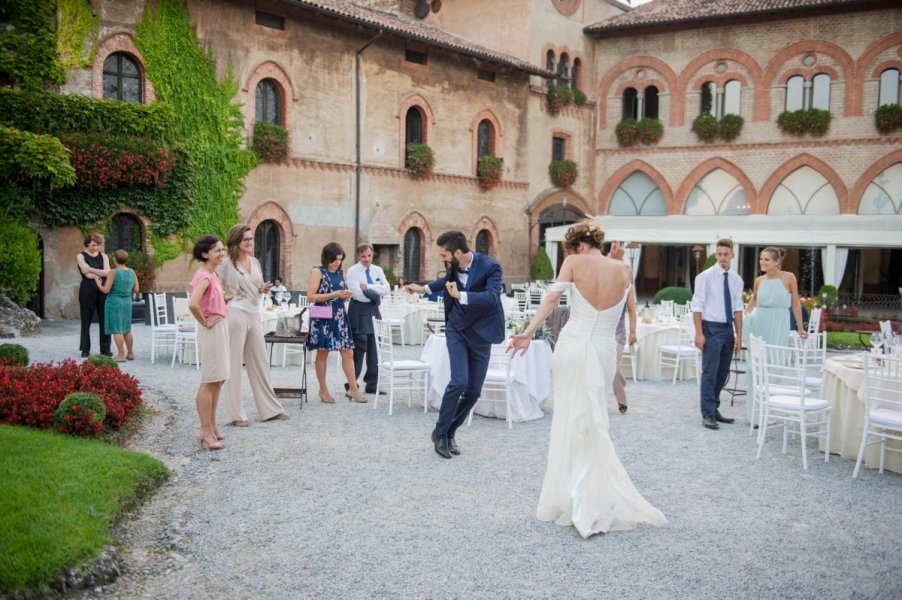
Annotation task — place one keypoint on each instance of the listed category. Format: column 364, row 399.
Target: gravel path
column 344, row 501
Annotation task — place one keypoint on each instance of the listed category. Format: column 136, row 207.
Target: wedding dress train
column 585, row 483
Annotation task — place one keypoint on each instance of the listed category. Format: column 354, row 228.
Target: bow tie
column 464, row 271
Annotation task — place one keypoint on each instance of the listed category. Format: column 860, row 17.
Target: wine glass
column 278, row 298
column 876, row 342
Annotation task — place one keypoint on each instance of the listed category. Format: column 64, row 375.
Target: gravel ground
column 344, row 501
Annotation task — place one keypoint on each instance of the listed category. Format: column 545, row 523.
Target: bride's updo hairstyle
column 585, row 231
column 776, row 254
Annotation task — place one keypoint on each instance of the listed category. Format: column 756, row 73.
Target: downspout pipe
column 357, row 162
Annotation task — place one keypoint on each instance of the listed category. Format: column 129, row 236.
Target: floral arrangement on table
column 516, row 327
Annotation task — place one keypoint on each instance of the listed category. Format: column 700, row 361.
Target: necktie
column 727, row 301
column 369, row 278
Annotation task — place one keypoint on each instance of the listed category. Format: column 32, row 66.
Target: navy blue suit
column 470, row 331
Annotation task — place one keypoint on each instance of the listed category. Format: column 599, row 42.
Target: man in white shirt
column 716, row 308
column 367, row 284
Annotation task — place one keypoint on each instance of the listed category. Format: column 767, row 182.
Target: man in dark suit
column 474, row 320
column 367, row 284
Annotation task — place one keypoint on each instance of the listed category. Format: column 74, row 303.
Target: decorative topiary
column 563, row 173
column 80, row 413
column 270, row 142
column 540, row 268
column 730, row 127
column 627, row 132
column 420, row 159
column 557, row 97
column 705, row 128
column 888, row 118
column 488, row 169
column 579, row 98
column 650, row 131
column 828, row 296
column 13, row 355
column 679, row 295
column 100, row 360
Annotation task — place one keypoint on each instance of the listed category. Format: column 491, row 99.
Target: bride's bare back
column 601, row 281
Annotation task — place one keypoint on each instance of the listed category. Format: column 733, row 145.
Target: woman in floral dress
column 330, row 334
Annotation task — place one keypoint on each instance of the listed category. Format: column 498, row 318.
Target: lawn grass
column 846, row 339
column 59, row 496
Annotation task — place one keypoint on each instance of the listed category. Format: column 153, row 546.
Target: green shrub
column 799, row 122
column 563, row 173
column 420, row 159
column 709, row 262
column 13, row 355
column 679, row 295
column 557, row 97
column 888, row 118
column 80, row 413
column 488, row 170
column 540, row 268
column 650, row 131
column 21, row 264
column 730, row 127
column 627, row 132
column 270, row 142
column 828, row 296
column 705, row 128
column 579, row 98
column 99, row 360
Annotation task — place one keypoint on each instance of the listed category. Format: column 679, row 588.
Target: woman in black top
column 93, row 265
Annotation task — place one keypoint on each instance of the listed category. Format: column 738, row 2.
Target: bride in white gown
column 585, row 483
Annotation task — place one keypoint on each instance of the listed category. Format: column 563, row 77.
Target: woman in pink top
column 208, row 306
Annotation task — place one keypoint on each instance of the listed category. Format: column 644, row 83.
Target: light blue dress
column 770, row 321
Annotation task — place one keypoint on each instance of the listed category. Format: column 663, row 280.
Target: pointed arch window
column 889, row 87
column 549, row 60
column 267, row 246
column 563, row 69
column 484, row 242
column 268, row 102
column 122, row 78
column 413, row 129
column 485, row 139
column 412, row 248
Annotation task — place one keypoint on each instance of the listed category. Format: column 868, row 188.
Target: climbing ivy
column 76, row 28
column 28, row 49
column 207, row 122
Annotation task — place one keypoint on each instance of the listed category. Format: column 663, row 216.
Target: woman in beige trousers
column 243, row 283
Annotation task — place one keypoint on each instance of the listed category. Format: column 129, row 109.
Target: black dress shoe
column 373, row 391
column 453, row 447
column 85, row 354
column 441, row 445
column 722, row 419
column 710, row 423
column 622, row 408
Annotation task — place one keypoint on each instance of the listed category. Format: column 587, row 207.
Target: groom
column 474, row 320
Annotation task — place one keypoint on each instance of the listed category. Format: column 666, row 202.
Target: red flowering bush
column 30, row 395
column 488, row 169
column 81, row 413
column 103, row 161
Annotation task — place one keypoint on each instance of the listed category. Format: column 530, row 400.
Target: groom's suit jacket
column 482, row 318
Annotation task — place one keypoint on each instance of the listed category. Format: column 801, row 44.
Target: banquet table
column 531, row 385
column 841, row 383
column 414, row 314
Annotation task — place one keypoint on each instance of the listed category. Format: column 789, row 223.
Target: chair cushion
column 887, row 417
column 795, row 403
column 813, row 382
column 496, row 375
column 405, row 365
column 783, row 390
column 681, row 350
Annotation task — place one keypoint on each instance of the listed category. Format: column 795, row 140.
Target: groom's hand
column 451, row 286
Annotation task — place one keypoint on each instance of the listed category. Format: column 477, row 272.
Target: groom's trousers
column 469, row 363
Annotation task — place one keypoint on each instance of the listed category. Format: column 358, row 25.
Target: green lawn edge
column 59, row 497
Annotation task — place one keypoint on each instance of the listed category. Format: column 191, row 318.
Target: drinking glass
column 876, row 342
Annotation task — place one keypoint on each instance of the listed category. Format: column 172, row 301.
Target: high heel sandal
column 208, row 440
column 326, row 399
column 216, row 432
column 358, row 398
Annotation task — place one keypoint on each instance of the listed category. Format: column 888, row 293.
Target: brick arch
column 647, row 62
column 875, row 169
column 268, row 70
column 428, row 120
column 689, row 73
column 119, row 42
column 640, row 84
column 832, row 50
column 861, row 68
column 416, row 219
column 682, row 194
column 893, row 63
column 144, row 223
column 554, row 196
column 620, row 175
column 485, row 222
column 803, row 160
column 809, row 72
column 272, row 211
column 485, row 114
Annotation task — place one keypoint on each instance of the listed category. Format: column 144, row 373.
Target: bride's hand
column 519, row 342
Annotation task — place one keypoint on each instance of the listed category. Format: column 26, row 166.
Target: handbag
column 320, row 312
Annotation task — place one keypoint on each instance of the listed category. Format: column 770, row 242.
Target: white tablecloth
column 531, row 386
column 842, row 379
column 413, row 314
column 651, row 336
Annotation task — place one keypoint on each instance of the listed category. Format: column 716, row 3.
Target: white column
column 551, row 250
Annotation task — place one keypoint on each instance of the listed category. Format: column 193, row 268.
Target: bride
column 585, row 484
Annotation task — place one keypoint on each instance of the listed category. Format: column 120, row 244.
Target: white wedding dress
column 585, row 484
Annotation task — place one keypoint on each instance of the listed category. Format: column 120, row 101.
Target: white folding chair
column 886, row 328
column 302, row 300
column 186, row 336
column 629, row 359
column 816, row 348
column 433, row 320
column 680, row 310
column 535, row 299
column 162, row 332
column 522, row 300
column 499, row 378
column 882, row 394
column 802, row 412
column 394, row 316
column 402, row 375
column 677, row 356
column 666, row 308
column 814, row 321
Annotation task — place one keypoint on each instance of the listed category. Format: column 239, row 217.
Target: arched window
column 731, row 97
column 706, row 101
column 563, row 69
column 820, row 92
column 413, row 131
column 889, row 87
column 125, row 233
column 485, row 139
column 484, row 241
column 575, row 73
column 795, row 93
column 412, row 244
column 651, row 103
column 630, row 103
column 553, row 216
column 121, row 78
column 549, row 60
column 638, row 195
column 268, row 102
column 267, row 243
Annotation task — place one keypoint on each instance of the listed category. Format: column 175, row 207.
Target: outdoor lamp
column 632, row 251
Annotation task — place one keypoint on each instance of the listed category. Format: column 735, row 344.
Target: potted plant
column 650, row 131
column 488, row 169
column 557, row 97
column 730, row 127
column 888, row 118
column 627, row 132
column 799, row 122
column 270, row 142
column 420, row 159
column 705, row 128
column 540, row 268
column 562, row 173
column 579, row 98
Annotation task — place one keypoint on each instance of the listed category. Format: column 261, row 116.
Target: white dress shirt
column 357, row 275
column 708, row 297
